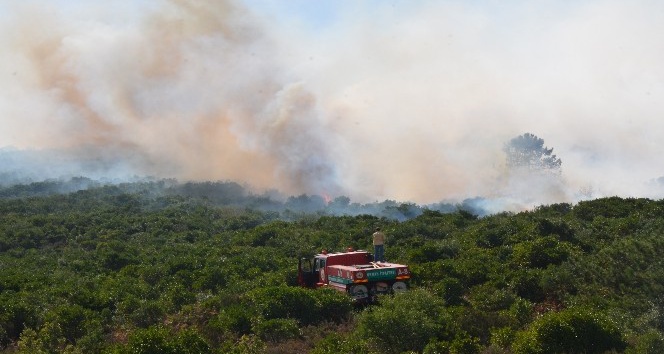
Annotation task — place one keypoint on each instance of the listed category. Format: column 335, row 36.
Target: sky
column 401, row 100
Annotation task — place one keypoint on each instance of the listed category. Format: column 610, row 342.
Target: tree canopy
column 528, row 152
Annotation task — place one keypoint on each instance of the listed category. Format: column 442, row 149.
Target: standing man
column 379, row 245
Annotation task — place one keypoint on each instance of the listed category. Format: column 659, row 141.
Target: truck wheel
column 399, row 286
column 358, row 291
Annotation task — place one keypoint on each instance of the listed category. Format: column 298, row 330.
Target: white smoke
column 380, row 100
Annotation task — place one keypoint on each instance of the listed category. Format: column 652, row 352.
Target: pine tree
column 527, row 151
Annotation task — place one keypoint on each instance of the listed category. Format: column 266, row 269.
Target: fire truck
column 353, row 272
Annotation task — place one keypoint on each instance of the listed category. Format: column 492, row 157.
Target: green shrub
column 405, row 322
column 147, row 314
column 332, row 305
column 277, row 329
column 569, row 331
column 486, row 297
column 160, row 340
column 335, row 343
column 651, row 342
column 464, row 344
column 304, row 305
column 541, row 252
column 521, row 311
column 247, row 344
column 31, row 343
column 502, row 337
column 451, row 290
column 234, row 318
column 284, row 302
column 190, row 342
column 437, row 347
column 152, row 340
column 71, row 320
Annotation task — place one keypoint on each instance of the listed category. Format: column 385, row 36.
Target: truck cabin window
column 319, row 264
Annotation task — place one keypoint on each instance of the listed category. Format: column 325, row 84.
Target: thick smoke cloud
column 190, row 90
column 404, row 100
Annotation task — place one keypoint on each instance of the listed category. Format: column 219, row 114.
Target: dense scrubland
column 161, row 267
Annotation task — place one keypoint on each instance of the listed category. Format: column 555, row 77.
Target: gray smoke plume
column 403, row 100
column 190, row 90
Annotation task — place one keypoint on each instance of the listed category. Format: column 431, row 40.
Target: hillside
column 135, row 269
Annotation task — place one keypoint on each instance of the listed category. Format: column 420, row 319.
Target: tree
column 527, row 151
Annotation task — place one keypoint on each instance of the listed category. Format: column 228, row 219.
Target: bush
column 190, row 342
column 405, row 322
column 502, row 337
column 234, row 318
column 284, row 302
column 651, row 342
column 152, row 340
column 72, row 321
column 569, row 331
column 541, row 252
column 521, row 311
column 451, row 290
column 332, row 305
column 304, row 305
column 31, row 343
column 338, row 343
column 277, row 329
column 147, row 314
column 437, row 347
column 247, row 344
column 159, row 340
column 465, row 345
column 486, row 297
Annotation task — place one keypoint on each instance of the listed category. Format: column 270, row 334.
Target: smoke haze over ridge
column 401, row 100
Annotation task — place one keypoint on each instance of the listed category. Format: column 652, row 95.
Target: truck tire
column 358, row 291
column 399, row 286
